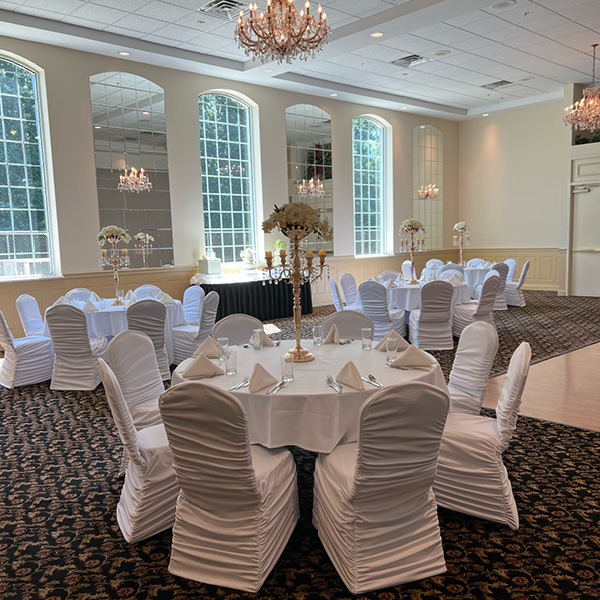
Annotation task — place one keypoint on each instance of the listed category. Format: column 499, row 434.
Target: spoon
column 374, row 381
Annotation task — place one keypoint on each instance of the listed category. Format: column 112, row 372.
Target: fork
column 333, row 384
column 243, row 383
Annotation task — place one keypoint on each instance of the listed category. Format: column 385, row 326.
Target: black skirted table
column 252, row 295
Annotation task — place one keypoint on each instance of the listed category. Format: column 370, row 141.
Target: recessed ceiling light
column 405, row 74
column 504, row 4
column 485, row 115
column 423, row 126
column 124, row 53
column 97, row 127
column 440, row 53
column 530, row 78
column 268, row 70
column 333, row 95
column 377, row 34
column 403, row 108
column 145, row 112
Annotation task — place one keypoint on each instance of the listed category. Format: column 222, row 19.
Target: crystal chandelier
column 311, row 189
column 134, row 181
column 280, row 33
column 585, row 114
column 429, row 191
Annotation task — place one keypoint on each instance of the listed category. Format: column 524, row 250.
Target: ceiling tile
column 132, row 5
column 177, row 32
column 164, row 11
column 59, row 6
column 137, row 23
column 101, row 14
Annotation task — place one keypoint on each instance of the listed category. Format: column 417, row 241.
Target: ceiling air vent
column 497, row 84
column 223, row 9
column 409, row 61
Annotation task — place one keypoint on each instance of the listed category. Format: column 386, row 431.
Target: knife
column 275, row 387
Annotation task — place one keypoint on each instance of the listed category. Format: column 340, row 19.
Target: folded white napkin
column 260, row 379
column 94, row 297
column 256, row 337
column 201, row 367
column 89, row 306
column 349, row 375
column 486, row 265
column 388, row 283
column 413, row 357
column 210, row 348
column 129, row 296
column 393, row 335
column 333, row 336
column 455, row 280
column 165, row 298
column 432, row 277
column 61, row 300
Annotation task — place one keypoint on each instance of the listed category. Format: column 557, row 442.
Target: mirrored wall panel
column 309, row 156
column 129, row 131
column 428, row 183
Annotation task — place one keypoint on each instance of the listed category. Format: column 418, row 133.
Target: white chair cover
column 149, row 316
column 149, row 494
column 430, row 327
column 476, row 262
column 470, row 373
column 373, row 503
column 513, row 291
column 29, row 313
column 238, row 504
column 407, row 270
column 477, row 310
column 186, row 338
column 132, row 358
column 237, row 328
column 335, row 295
column 78, row 295
column 500, row 300
column 434, row 263
column 512, row 265
column 389, row 275
column 349, row 324
column 373, row 298
column 27, row 360
column 451, row 267
column 75, row 355
column 349, row 288
column 192, row 304
column 471, row 476
column 449, row 273
column 147, row 291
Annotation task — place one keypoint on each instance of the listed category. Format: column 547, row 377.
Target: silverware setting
column 277, row 343
column 276, row 387
column 344, row 342
column 245, row 382
column 334, row 384
column 372, row 381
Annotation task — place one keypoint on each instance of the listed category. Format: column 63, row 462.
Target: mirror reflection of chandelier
column 134, row 181
column 281, row 33
column 311, row 189
column 585, row 114
column 428, row 191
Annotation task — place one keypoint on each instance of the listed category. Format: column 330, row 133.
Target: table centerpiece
column 143, row 243
column 462, row 238
column 412, row 227
column 114, row 235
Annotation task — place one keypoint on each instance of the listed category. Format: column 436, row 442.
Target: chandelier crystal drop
column 428, row 191
column 585, row 114
column 311, row 189
column 281, row 34
column 134, row 181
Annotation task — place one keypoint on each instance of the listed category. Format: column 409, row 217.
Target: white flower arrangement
column 144, row 238
column 247, row 255
column 461, row 226
column 409, row 225
column 298, row 215
column 112, row 232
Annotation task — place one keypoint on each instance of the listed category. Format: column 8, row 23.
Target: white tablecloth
column 110, row 320
column 474, row 276
column 408, row 297
column 308, row 413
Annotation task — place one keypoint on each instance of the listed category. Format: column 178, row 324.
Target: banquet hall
column 148, row 151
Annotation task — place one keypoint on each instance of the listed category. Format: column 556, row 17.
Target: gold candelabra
column 461, row 239
column 412, row 245
column 298, row 274
column 144, row 248
column 116, row 260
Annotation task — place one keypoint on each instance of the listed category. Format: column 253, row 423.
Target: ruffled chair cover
column 513, row 291
column 349, row 288
column 132, row 358
column 512, row 265
column 373, row 298
column 147, row 291
column 237, row 328
column 430, row 327
column 149, row 316
column 470, row 373
column 434, row 263
column 238, row 504
column 27, row 360
column 389, row 275
column 29, row 313
column 471, row 476
column 476, row 262
column 349, row 324
column 373, row 503
column 452, row 267
column 407, row 271
column 150, row 490
column 186, row 338
column 335, row 295
column 75, row 354
column 500, row 300
column 477, row 310
column 78, row 295
column 192, row 304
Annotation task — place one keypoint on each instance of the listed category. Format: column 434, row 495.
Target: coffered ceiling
column 535, row 47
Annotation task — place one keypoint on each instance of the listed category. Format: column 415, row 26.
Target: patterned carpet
column 59, row 489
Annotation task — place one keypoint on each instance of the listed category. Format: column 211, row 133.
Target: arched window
column 25, row 240
column 227, row 175
column 368, row 139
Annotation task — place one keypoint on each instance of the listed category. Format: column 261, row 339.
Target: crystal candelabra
column 461, row 239
column 144, row 247
column 117, row 261
column 412, row 245
column 310, row 189
column 430, row 191
column 298, row 271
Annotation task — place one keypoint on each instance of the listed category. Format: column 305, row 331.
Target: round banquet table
column 474, row 276
column 307, row 413
column 408, row 297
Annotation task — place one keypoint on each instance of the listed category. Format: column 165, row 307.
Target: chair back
column 523, row 275
column 29, row 313
column 69, row 333
column 78, row 295
column 436, row 302
column 507, row 410
column 434, row 263
column 192, row 303
column 349, row 288
column 489, row 291
column 475, row 262
column 133, row 360
column 6, row 337
column 147, row 291
column 208, row 314
column 237, row 328
column 473, row 361
column 452, row 266
column 389, row 275
column 120, row 413
column 407, row 270
column 373, row 298
column 502, row 270
column 335, row 295
column 349, row 324
column 512, row 265
column 208, row 435
column 400, row 429
column 148, row 316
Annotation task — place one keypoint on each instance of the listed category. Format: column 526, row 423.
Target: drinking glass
column 366, row 333
column 231, row 362
column 287, row 368
column 258, row 340
column 391, row 347
column 317, row 335
column 120, row 294
column 225, row 345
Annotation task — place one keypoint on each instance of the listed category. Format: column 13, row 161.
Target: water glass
column 225, row 345
column 120, row 294
column 231, row 362
column 391, row 347
column 257, row 339
column 287, row 368
column 366, row 333
column 317, row 335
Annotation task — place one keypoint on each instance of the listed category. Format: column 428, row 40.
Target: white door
column 585, row 257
